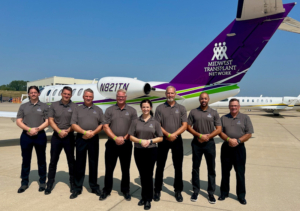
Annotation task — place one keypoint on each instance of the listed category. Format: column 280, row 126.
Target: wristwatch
column 151, row 142
column 239, row 141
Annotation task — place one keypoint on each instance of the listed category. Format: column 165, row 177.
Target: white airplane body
column 216, row 70
column 268, row 104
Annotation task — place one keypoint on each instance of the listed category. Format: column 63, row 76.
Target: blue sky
column 150, row 40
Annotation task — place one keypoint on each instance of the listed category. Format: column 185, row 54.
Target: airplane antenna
column 94, row 80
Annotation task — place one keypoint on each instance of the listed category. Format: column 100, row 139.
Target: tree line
column 15, row 86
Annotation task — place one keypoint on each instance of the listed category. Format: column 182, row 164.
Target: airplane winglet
column 290, row 25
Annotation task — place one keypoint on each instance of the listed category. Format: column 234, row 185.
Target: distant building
column 55, row 80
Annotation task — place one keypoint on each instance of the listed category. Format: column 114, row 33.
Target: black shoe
column 147, row 205
column 222, row 197
column 178, row 196
column 22, row 188
column 127, row 196
column 242, row 201
column 42, row 187
column 103, row 196
column 75, row 194
column 194, row 197
column 48, row 189
column 211, row 199
column 156, row 196
column 96, row 191
column 141, row 202
column 72, row 186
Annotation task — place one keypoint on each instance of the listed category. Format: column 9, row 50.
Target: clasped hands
column 233, row 142
column 204, row 138
column 89, row 134
column 64, row 133
column 120, row 140
column 33, row 131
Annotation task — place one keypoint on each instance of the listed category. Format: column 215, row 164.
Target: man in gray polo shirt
column 86, row 121
column 237, row 129
column 117, row 122
column 60, row 113
column 204, row 123
column 173, row 119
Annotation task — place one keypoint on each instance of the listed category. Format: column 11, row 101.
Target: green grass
column 6, row 93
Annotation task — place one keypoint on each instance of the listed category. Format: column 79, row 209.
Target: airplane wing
column 8, row 114
column 290, row 25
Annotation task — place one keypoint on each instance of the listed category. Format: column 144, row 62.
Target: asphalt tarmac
column 272, row 173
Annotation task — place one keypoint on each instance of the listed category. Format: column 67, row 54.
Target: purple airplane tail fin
column 229, row 56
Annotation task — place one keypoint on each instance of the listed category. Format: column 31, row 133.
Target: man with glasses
column 237, row 129
column 117, row 122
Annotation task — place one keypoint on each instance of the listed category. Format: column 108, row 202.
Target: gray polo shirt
column 145, row 130
column 119, row 120
column 204, row 122
column 62, row 113
column 171, row 118
column 33, row 115
column 88, row 118
column 236, row 127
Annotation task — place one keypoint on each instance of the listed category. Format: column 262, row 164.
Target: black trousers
column 39, row 142
column 57, row 144
column 209, row 151
column 177, row 157
column 112, row 153
column 236, row 157
column 82, row 147
column 145, row 159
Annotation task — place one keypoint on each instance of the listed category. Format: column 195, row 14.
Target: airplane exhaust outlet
column 108, row 87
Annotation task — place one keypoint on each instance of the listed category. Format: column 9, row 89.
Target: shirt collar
column 118, row 108
column 92, row 106
column 68, row 105
column 238, row 116
column 142, row 120
column 167, row 104
column 38, row 103
column 200, row 109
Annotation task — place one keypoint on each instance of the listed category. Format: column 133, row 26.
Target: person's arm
column 97, row 130
column 217, row 131
column 21, row 125
column 245, row 137
column 44, row 125
column 157, row 140
column 77, row 128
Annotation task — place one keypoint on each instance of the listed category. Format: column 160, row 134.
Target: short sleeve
column 183, row 114
column 74, row 118
column 101, row 118
column 45, row 112
column 158, row 131
column 20, row 114
column 132, row 128
column 248, row 126
column 157, row 115
column 107, row 117
column 217, row 120
column 222, row 123
column 51, row 111
column 190, row 118
column 134, row 115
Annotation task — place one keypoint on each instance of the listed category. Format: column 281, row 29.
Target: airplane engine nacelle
column 108, row 87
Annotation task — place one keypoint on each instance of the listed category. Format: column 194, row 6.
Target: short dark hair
column 203, row 93
column 33, row 87
column 234, row 99
column 67, row 88
column 150, row 103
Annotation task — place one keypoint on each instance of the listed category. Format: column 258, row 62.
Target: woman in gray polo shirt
column 145, row 132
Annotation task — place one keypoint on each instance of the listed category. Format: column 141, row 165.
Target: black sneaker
column 103, row 196
column 156, row 196
column 211, row 199
column 194, row 197
column 127, row 196
column 222, row 197
column 242, row 201
column 178, row 196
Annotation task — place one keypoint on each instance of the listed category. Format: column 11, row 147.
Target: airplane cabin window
column 74, row 91
column 54, row 92
column 262, row 100
column 270, row 101
column 60, row 92
column 242, row 100
column 266, row 100
column 80, row 92
column 48, row 93
column 248, row 101
column 252, row 101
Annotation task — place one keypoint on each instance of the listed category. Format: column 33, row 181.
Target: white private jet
column 267, row 104
column 216, row 70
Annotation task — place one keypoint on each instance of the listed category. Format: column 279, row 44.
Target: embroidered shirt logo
column 239, row 122
column 127, row 114
column 94, row 112
column 69, row 110
column 177, row 112
column 209, row 115
column 39, row 110
column 220, row 51
column 151, row 125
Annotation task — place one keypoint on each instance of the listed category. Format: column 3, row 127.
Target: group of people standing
column 153, row 137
